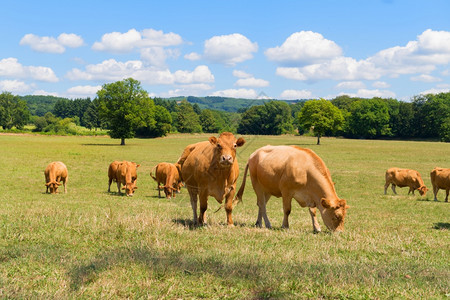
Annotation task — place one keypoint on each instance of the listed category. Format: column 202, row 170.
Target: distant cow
column 169, row 175
column 210, row 168
column 294, row 172
column 440, row 179
column 405, row 177
column 123, row 173
column 54, row 173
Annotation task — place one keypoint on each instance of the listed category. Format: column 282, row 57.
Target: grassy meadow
column 92, row 244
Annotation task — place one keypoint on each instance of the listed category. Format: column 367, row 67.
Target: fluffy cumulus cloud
column 192, row 56
column 50, row 44
column 353, row 85
column 14, row 86
column 157, row 56
column 304, row 48
column 118, row 42
column 296, row 94
column 381, row 85
column 229, row 49
column 10, row 67
column 241, row 74
column 366, row 93
column 236, row 93
column 82, row 91
column 307, row 56
column 113, row 70
column 252, row 82
column 425, row 78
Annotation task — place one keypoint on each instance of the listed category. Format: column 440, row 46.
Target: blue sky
column 286, row 49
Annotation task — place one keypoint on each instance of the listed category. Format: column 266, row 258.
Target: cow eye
column 235, row 145
column 219, row 146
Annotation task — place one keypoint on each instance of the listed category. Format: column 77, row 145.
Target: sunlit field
column 89, row 243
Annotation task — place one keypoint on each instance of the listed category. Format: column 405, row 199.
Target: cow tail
column 241, row 189
column 151, row 173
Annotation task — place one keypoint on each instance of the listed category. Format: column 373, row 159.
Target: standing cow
column 440, row 179
column 169, row 175
column 210, row 168
column 293, row 172
column 405, row 177
column 54, row 173
column 123, row 173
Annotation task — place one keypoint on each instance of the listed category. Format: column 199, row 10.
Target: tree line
column 125, row 110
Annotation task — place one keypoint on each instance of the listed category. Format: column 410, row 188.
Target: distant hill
column 40, row 105
column 226, row 104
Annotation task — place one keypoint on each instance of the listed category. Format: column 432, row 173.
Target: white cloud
column 14, row 86
column 426, row 78
column 237, row 93
column 117, row 42
column 354, row 85
column 296, row 94
column 193, row 56
column 241, row 74
column 51, row 44
column 157, row 56
column 82, row 91
column 381, row 85
column 45, row 93
column 304, row 48
column 365, row 93
column 252, row 82
column 436, row 91
column 190, row 89
column 113, row 70
column 10, row 67
column 229, row 49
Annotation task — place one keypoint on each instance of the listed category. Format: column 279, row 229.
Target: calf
column 405, row 177
column 54, row 173
column 440, row 179
column 169, row 175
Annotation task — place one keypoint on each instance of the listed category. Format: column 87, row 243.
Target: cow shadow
column 187, row 223
column 441, row 226
column 94, row 144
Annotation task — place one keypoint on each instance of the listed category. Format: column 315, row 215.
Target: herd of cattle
column 210, row 168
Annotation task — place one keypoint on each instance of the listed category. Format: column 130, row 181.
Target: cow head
column 422, row 190
column 168, row 190
column 334, row 213
column 225, row 147
column 53, row 186
column 130, row 188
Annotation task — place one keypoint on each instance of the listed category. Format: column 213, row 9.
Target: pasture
column 92, row 244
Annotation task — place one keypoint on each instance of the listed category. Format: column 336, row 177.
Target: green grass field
column 92, row 244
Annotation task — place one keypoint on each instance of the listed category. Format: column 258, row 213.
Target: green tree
column 368, row 118
column 125, row 106
column 13, row 111
column 272, row 118
column 161, row 125
column 320, row 116
column 208, row 121
column 187, row 119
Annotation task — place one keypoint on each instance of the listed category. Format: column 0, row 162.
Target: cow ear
column 135, row 187
column 137, row 166
column 213, row 140
column 47, row 184
column 123, row 188
column 240, row 142
column 325, row 203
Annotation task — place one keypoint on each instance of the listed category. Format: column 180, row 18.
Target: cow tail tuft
column 151, row 172
column 241, row 189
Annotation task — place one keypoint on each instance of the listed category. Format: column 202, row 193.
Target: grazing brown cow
column 210, row 168
column 123, row 173
column 169, row 175
column 440, row 179
column 405, row 177
column 293, row 172
column 54, row 173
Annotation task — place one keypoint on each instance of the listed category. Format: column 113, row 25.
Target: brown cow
column 125, row 173
column 293, row 172
column 405, row 177
column 169, row 175
column 54, row 173
column 440, row 179
column 210, row 168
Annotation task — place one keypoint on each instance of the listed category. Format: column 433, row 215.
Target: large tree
column 13, row 111
column 369, row 118
column 320, row 116
column 125, row 106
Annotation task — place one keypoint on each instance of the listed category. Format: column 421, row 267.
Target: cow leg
column 203, row 197
column 411, row 189
column 287, row 201
column 386, row 187
column 446, row 197
column 193, row 196
column 109, row 184
column 118, row 187
column 393, row 188
column 159, row 190
column 229, row 207
column 316, row 226
column 65, row 186
column 435, row 191
column 262, row 199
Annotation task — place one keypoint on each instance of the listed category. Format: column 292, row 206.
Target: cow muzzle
column 226, row 159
